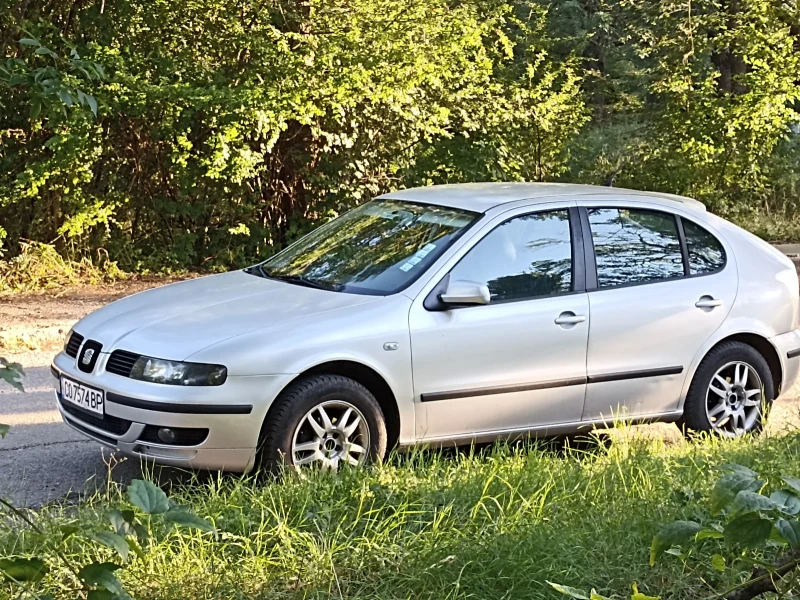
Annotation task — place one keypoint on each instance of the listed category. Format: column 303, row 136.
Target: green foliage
column 12, row 374
column 273, row 117
column 23, row 569
column 96, row 578
column 748, row 522
column 492, row 524
column 41, row 267
column 211, row 133
column 148, row 497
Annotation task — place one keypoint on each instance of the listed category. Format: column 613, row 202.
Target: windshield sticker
column 425, row 250
column 417, row 258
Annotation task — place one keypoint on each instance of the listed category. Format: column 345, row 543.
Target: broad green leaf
column 113, row 541
column 29, row 42
column 672, row 535
column 790, row 531
column 102, row 575
column 637, row 595
column 42, row 50
column 568, row 591
column 747, row 501
column 68, row 531
column 92, row 104
column 793, row 483
column 748, row 530
column 4, row 429
column 728, row 486
column 786, row 501
column 593, row 595
column 66, row 97
column 23, row 569
column 12, row 373
column 148, row 497
column 734, row 468
column 184, row 518
column 122, row 521
column 706, row 534
column 718, row 562
column 36, row 108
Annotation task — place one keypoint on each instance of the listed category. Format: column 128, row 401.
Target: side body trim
column 509, row 389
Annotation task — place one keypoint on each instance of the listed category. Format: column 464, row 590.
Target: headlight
column 173, row 372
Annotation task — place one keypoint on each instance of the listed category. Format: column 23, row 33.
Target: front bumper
column 788, row 348
column 232, row 413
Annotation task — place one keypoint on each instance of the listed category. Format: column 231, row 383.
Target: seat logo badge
column 87, row 356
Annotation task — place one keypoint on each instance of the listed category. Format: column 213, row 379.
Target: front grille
column 185, row 436
column 121, row 362
column 74, row 344
column 113, row 425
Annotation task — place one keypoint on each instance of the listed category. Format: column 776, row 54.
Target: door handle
column 569, row 318
column 708, row 302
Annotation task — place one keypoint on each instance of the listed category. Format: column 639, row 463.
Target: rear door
column 661, row 287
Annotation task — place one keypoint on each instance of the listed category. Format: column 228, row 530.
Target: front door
column 652, row 309
column 518, row 362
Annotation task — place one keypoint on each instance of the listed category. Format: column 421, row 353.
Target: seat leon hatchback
column 445, row 315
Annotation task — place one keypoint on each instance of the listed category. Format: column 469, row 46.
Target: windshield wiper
column 304, row 281
column 260, row 271
column 256, row 270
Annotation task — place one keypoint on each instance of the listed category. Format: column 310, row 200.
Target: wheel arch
column 366, row 376
column 763, row 346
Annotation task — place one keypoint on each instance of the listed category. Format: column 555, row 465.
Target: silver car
column 445, row 315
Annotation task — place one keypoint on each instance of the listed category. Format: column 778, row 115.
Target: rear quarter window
column 706, row 253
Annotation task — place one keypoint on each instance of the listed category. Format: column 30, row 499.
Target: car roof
column 481, row 197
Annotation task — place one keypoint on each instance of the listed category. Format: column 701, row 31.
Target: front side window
column 706, row 254
column 378, row 248
column 526, row 257
column 634, row 246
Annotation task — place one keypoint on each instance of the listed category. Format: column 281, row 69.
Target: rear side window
column 706, row 254
column 634, row 246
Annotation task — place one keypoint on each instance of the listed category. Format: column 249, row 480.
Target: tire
column 296, row 420
column 706, row 410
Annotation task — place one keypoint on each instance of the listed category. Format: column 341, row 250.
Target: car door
column 520, row 361
column 662, row 288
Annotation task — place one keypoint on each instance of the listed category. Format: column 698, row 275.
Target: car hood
column 180, row 319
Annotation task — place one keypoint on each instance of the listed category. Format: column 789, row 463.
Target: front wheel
column 324, row 420
column 731, row 392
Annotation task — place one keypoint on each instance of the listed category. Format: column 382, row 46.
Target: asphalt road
column 42, row 459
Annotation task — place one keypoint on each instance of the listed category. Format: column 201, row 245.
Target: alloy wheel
column 733, row 399
column 329, row 434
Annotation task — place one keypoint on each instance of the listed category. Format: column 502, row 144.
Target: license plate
column 83, row 396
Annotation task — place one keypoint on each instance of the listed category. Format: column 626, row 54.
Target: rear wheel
column 325, row 420
column 731, row 392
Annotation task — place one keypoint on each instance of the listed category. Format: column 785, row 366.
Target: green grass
column 492, row 524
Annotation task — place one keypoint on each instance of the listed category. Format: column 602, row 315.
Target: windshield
column 378, row 248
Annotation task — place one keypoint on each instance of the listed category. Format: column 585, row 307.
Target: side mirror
column 463, row 292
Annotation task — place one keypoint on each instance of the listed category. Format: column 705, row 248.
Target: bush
column 40, row 267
